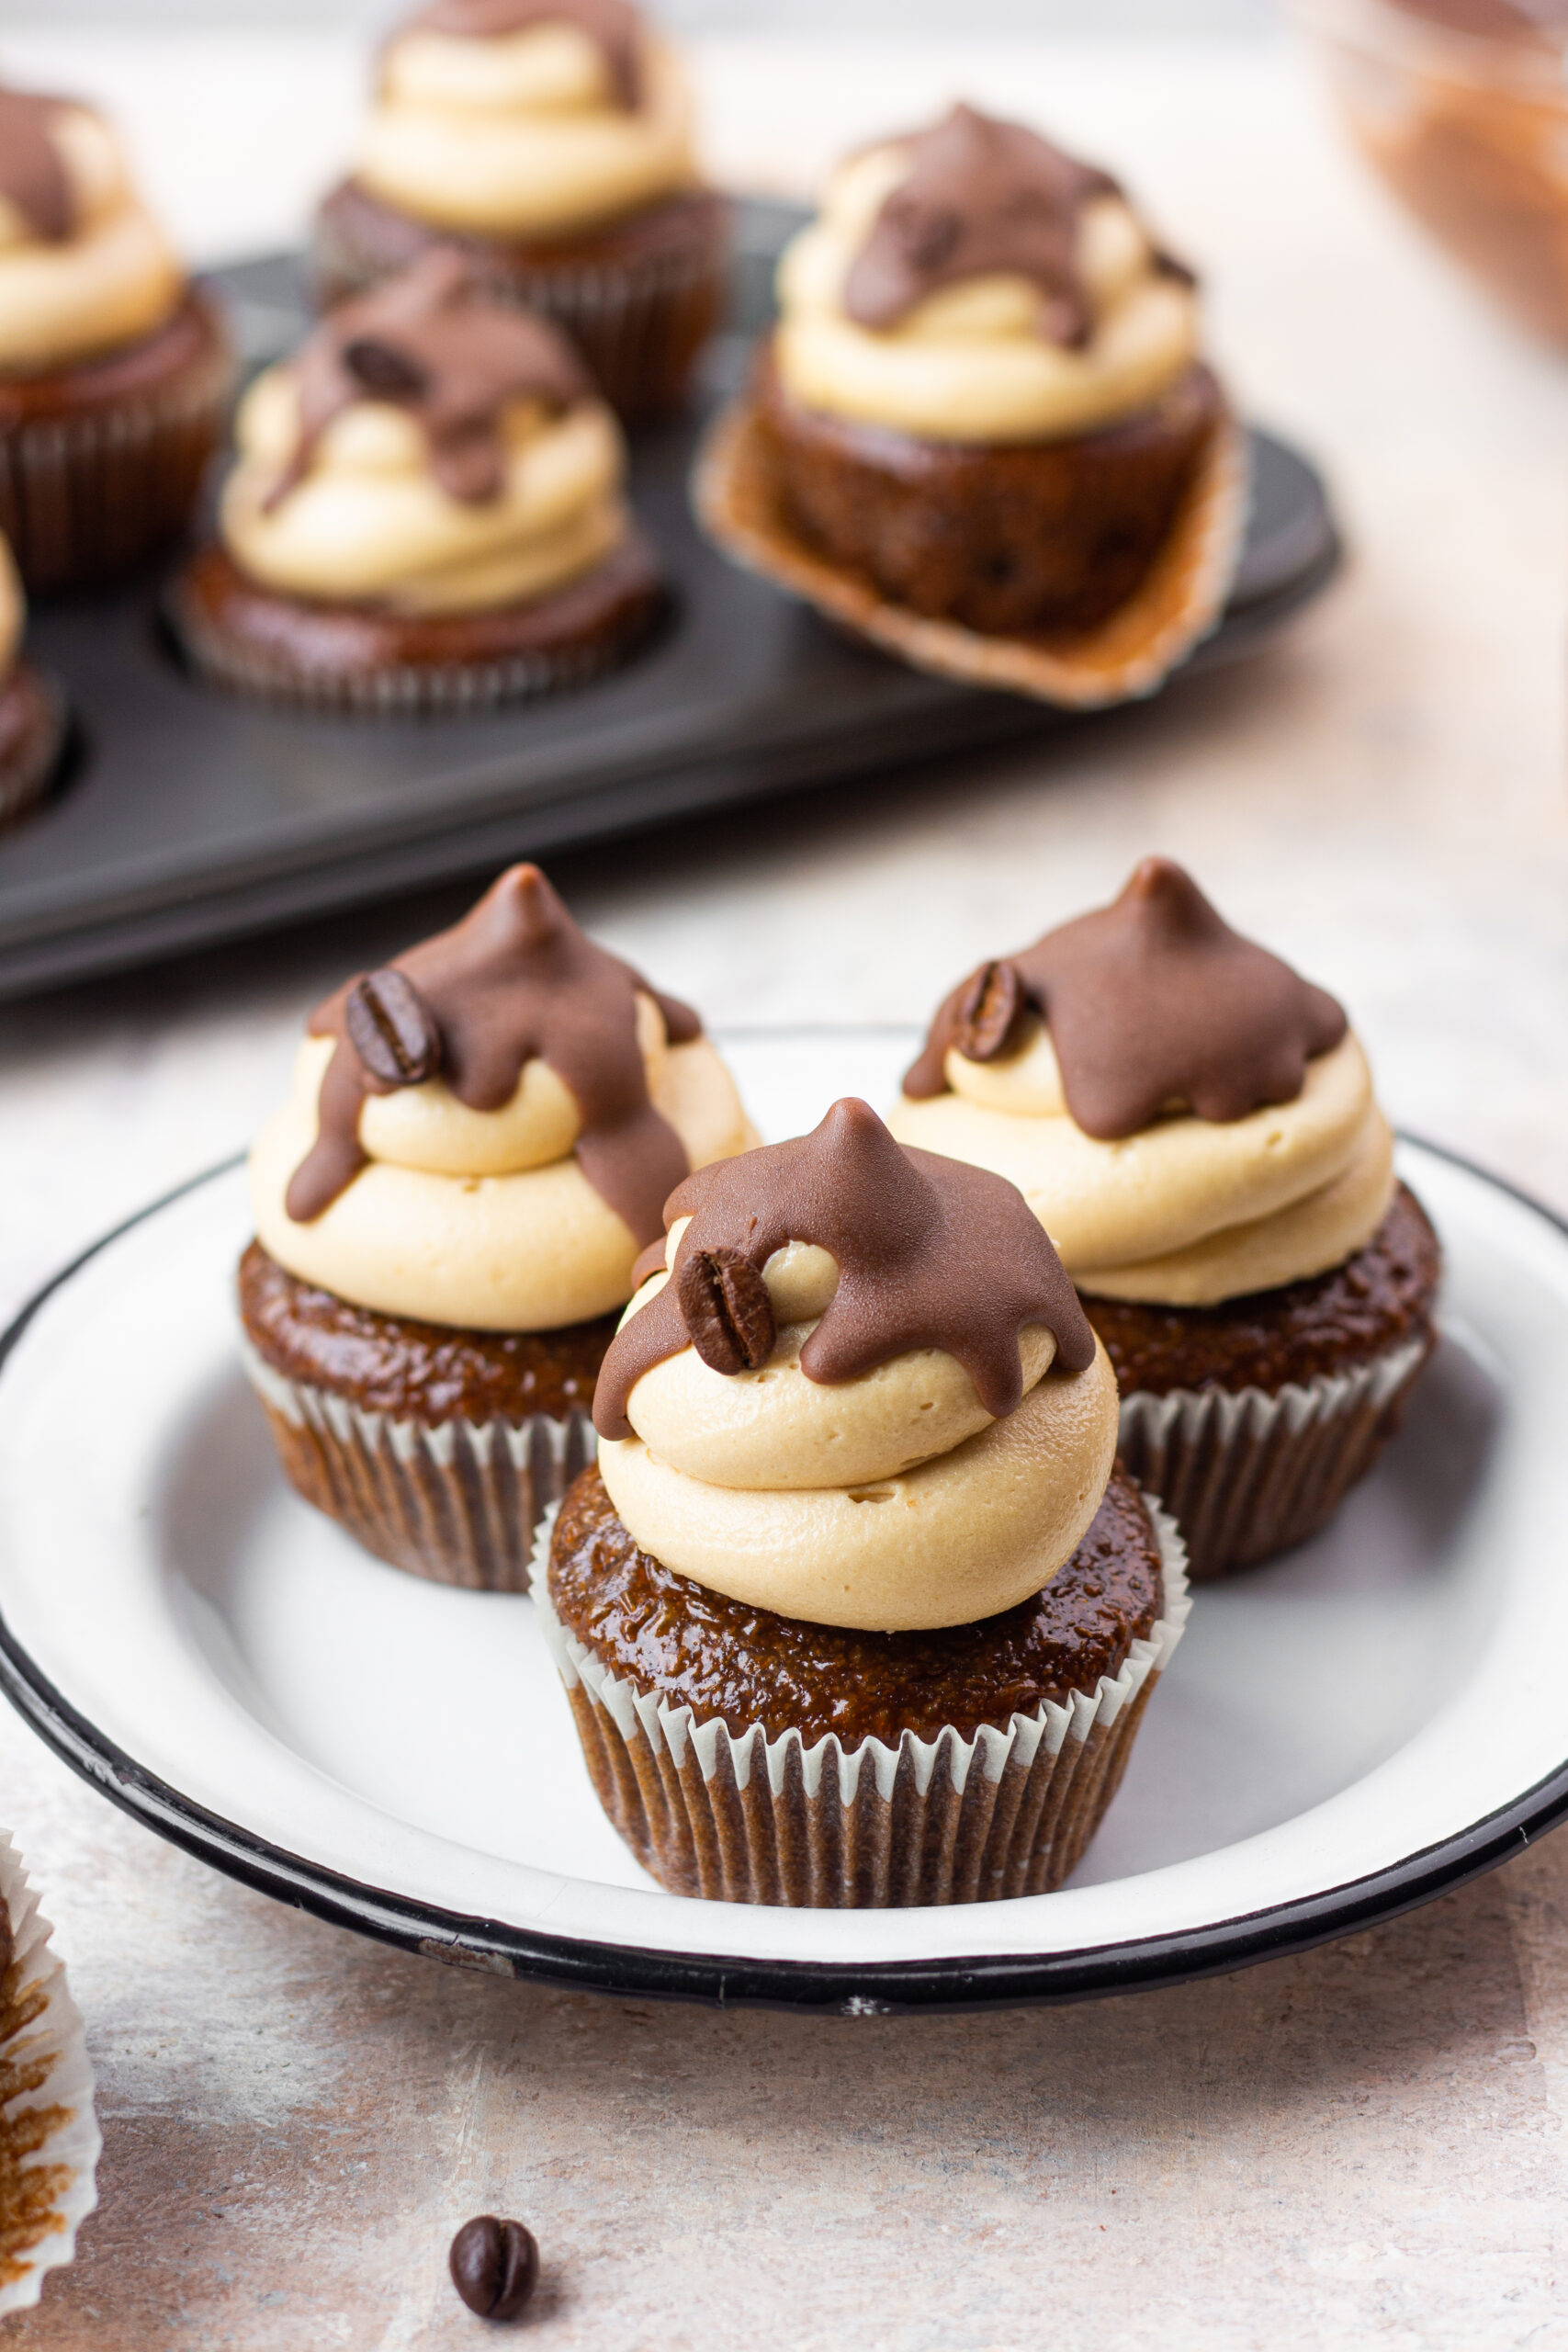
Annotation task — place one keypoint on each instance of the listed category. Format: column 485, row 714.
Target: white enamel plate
column 1340, row 1735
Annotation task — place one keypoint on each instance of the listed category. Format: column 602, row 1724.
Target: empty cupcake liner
column 1248, row 1474
column 50, row 2140
column 739, row 1817
column 1181, row 601
column 457, row 1501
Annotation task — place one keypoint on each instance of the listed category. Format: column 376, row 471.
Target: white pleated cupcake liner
column 454, row 1501
column 741, row 1817
column 50, row 2142
column 1248, row 1474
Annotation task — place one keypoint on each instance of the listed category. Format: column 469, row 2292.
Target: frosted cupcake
column 480, row 1142
column 115, row 372
column 1195, row 1126
column 32, row 713
column 428, row 514
column 552, row 139
column 855, row 1608
column 982, row 433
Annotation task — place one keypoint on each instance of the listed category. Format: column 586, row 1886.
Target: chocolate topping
column 981, row 196
column 431, row 341
column 932, row 1253
column 610, row 25
column 1155, row 1004
column 32, row 170
column 514, row 980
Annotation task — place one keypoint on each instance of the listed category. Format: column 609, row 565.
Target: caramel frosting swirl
column 928, row 1429
column 84, row 266
column 483, row 1134
column 971, row 283
column 520, row 120
column 1190, row 1120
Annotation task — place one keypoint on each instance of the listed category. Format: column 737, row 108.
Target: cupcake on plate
column 32, row 712
column 428, row 514
column 551, row 139
column 855, row 1608
column 479, row 1141
column 115, row 372
column 982, row 433
column 1195, row 1126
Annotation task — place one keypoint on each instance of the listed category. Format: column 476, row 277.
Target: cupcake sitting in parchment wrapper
column 50, row 2142
column 1195, row 1126
column 982, row 435
column 481, row 1139
column 855, row 1608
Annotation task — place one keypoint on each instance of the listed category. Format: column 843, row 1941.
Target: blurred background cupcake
column 32, row 710
column 553, row 140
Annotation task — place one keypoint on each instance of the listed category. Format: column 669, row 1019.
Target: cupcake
column 552, row 140
column 479, row 1141
column 115, row 373
column 1195, row 1126
column 32, row 713
column 854, row 1607
column 982, row 433
column 428, row 514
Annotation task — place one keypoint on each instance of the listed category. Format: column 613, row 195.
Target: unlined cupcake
column 551, row 139
column 982, row 433
column 855, row 1608
column 1195, row 1126
column 33, row 711
column 428, row 514
column 480, row 1142
column 115, row 372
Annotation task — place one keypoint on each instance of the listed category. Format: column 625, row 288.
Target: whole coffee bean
column 724, row 1305
column 494, row 2266
column 987, row 1011
column 392, row 1029
column 382, row 369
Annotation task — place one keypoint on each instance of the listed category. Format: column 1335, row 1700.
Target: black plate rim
column 856, row 1988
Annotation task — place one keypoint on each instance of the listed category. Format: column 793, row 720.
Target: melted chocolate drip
column 1155, row 1004
column 431, row 342
column 514, row 980
column 932, row 1253
column 32, row 171
column 613, row 27
column 981, row 197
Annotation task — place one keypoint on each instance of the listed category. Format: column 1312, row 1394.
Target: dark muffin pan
column 187, row 816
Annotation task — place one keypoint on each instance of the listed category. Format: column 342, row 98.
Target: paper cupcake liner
column 457, row 1501
column 743, row 1819
column 1181, row 601
column 1248, row 1474
column 50, row 2140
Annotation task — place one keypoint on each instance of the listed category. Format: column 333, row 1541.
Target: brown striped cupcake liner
column 50, row 2142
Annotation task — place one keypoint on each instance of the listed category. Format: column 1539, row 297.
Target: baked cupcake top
column 429, row 449
column 970, row 282
column 856, row 1387
column 1190, row 1119
column 84, row 266
column 526, row 119
column 483, row 1134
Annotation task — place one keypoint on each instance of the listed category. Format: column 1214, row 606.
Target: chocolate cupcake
column 983, row 434
column 32, row 710
column 115, row 373
column 479, row 1141
column 427, row 514
column 552, row 140
column 852, row 1608
column 1195, row 1126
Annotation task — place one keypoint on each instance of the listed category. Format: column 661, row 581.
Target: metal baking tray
column 186, row 817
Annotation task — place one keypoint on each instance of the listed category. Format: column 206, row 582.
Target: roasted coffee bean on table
column 494, row 2266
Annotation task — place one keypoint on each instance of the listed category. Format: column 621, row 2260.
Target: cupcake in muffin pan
column 428, row 514
column 32, row 710
column 1195, row 1126
column 115, row 372
column 983, row 432
column 854, row 1607
column 552, row 139
column 479, row 1141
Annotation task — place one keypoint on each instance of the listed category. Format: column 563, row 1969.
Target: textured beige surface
column 1363, row 2147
